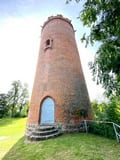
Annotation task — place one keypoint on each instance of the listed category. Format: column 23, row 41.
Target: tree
column 109, row 111
column 103, row 19
column 99, row 110
column 13, row 95
column 23, row 99
column 4, row 108
column 18, row 97
column 113, row 110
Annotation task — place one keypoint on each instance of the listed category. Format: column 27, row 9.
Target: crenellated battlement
column 59, row 16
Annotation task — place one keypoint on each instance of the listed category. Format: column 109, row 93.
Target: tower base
column 36, row 132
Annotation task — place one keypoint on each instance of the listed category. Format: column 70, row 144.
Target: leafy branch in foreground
column 103, row 19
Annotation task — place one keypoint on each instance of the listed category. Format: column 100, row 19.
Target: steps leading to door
column 42, row 132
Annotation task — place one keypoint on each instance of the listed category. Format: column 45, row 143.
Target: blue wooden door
column 47, row 112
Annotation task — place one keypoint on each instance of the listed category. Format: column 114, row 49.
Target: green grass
column 66, row 147
column 11, row 130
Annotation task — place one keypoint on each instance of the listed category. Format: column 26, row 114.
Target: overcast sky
column 20, row 28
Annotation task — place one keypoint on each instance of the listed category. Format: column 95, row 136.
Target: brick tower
column 59, row 95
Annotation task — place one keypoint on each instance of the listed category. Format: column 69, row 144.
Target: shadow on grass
column 42, row 150
column 12, row 153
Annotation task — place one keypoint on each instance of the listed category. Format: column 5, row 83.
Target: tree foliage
column 99, row 110
column 113, row 110
column 14, row 95
column 103, row 19
column 15, row 102
column 18, row 97
column 4, row 108
column 109, row 111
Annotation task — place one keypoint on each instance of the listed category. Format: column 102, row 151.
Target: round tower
column 59, row 95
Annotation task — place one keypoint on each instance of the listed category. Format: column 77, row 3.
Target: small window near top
column 48, row 44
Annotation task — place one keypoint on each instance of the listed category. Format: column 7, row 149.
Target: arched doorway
column 47, row 111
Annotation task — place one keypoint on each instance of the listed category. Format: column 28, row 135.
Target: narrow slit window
column 48, row 44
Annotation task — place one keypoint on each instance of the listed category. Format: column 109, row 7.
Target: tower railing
column 116, row 127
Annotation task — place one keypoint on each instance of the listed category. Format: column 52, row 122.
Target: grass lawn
column 66, row 147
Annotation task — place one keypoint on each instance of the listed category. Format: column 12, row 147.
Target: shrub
column 102, row 129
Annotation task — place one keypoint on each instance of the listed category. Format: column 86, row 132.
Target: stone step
column 38, row 138
column 44, row 132
column 29, row 129
column 44, row 128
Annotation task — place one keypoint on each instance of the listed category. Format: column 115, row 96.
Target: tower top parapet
column 59, row 16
